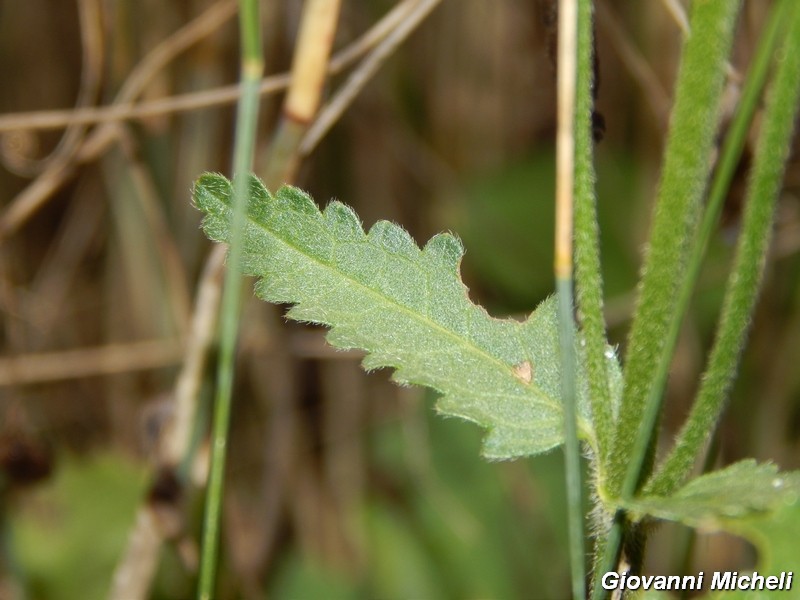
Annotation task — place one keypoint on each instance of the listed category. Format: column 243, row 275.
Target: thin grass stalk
column 772, row 150
column 565, row 169
column 311, row 64
column 252, row 66
column 588, row 276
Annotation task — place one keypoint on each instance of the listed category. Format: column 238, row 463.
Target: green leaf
column 408, row 309
column 739, row 491
column 747, row 499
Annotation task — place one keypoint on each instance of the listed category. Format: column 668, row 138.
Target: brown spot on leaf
column 523, row 371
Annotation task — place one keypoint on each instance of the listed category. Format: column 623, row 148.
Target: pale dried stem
column 87, row 362
column 134, row 573
column 408, row 16
column 309, row 66
column 565, row 144
column 314, row 43
column 56, row 119
column 126, row 357
column 201, row 336
column 678, row 13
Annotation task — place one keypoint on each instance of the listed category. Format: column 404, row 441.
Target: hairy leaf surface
column 408, row 309
column 741, row 490
column 748, row 499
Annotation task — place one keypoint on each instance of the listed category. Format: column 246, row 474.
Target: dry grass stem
column 198, row 343
column 677, row 11
column 565, row 142
column 221, row 96
column 408, row 19
column 88, row 362
column 132, row 579
column 314, row 43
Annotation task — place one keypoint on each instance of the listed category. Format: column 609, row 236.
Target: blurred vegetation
column 341, row 485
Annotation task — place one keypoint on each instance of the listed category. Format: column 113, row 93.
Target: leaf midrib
column 508, row 369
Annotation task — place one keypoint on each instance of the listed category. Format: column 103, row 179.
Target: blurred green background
column 340, row 484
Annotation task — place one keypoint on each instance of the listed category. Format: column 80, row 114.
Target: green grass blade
column 742, row 291
column 246, row 121
column 572, row 456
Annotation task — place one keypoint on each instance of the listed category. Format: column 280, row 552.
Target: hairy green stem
column 683, row 180
column 588, row 275
column 742, row 291
column 252, row 67
column 695, row 432
column 685, row 172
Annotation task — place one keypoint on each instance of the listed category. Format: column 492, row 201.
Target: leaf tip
column 445, row 247
column 209, row 187
column 297, row 200
column 343, row 221
column 393, row 238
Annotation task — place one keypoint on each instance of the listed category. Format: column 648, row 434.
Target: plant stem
column 685, row 172
column 360, row 76
column 684, row 176
column 252, row 66
column 565, row 169
column 588, row 276
column 695, row 432
column 309, row 69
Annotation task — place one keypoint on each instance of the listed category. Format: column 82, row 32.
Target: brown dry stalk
column 220, row 96
column 86, row 362
column 409, row 15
